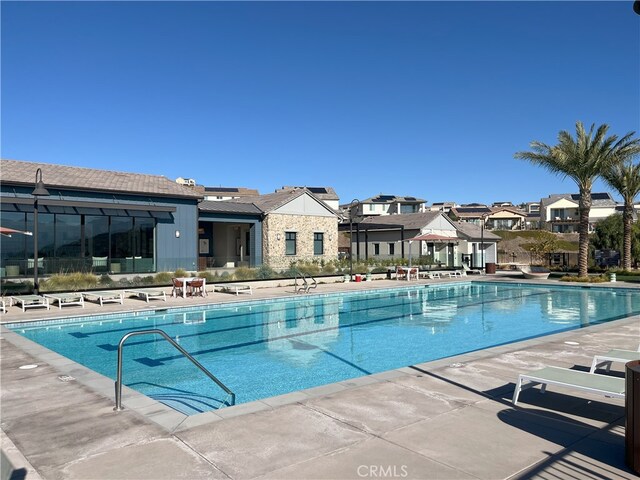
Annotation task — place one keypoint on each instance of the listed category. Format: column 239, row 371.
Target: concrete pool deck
column 450, row 418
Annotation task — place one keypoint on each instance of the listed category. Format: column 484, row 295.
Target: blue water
column 261, row 349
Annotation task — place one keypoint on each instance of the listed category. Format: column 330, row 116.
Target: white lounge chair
column 468, row 270
column 233, row 287
column 148, row 294
column 104, row 296
column 29, row 301
column 3, row 306
column 66, row 299
column 605, row 360
column 574, row 379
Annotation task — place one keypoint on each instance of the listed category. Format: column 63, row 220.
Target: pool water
column 260, row 349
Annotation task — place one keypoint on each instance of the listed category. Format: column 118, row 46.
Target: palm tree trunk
column 583, row 231
column 627, row 221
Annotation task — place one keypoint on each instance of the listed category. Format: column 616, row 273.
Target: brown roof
column 323, row 193
column 272, row 201
column 227, row 206
column 410, row 221
column 474, row 232
column 80, row 178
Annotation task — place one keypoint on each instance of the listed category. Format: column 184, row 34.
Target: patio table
column 185, row 283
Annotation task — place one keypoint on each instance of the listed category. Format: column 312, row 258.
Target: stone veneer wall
column 305, row 227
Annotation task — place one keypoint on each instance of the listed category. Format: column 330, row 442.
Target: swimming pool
column 261, row 349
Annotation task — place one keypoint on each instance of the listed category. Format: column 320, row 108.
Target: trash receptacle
column 358, row 277
column 388, row 274
column 490, row 268
column 632, row 411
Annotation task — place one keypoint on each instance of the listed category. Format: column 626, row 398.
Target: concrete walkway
column 448, row 419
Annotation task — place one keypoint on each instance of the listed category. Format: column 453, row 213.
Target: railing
column 305, row 286
column 155, row 331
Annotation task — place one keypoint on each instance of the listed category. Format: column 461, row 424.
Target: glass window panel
column 122, row 251
column 290, row 243
column 13, row 250
column 46, row 235
column 318, row 243
column 144, row 245
column 96, row 237
column 67, row 236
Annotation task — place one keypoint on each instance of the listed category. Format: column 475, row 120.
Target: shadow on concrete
column 597, row 454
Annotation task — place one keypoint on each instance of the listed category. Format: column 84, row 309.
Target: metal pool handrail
column 156, row 331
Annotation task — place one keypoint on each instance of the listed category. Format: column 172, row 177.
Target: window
column 376, row 249
column 318, row 243
column 392, row 249
column 290, row 243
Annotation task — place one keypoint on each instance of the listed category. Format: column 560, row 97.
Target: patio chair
column 66, row 299
column 3, row 306
column 178, row 287
column 404, row 273
column 104, row 296
column 574, row 379
column 196, row 287
column 605, row 360
column 29, row 301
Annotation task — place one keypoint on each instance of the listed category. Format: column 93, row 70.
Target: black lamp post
column 482, row 266
column 38, row 191
column 357, row 203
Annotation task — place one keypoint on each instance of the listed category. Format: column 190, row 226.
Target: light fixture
column 278, row 236
column 177, row 233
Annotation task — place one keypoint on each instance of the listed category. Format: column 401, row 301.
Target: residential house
column 187, row 182
column 559, row 212
column 385, row 205
column 493, row 218
column 447, row 242
column 220, row 194
column 327, row 194
column 96, row 220
column 275, row 229
column 444, row 207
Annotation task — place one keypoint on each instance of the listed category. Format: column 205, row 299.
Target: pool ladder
column 156, row 331
column 305, row 286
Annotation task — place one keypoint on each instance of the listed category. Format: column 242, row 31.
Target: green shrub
column 163, row 278
column 209, row 277
column 72, row 282
column 105, row 280
column 379, row 270
column 244, row 273
column 590, row 279
column 308, row 268
column 265, row 272
column 180, row 272
column 329, row 268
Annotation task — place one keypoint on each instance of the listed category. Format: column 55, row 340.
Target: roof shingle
column 80, row 178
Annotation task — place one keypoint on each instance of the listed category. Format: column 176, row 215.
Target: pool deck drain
column 450, row 418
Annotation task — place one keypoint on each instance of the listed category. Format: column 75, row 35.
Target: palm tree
column 582, row 159
column 624, row 177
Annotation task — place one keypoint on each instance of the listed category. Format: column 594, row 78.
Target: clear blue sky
column 429, row 99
